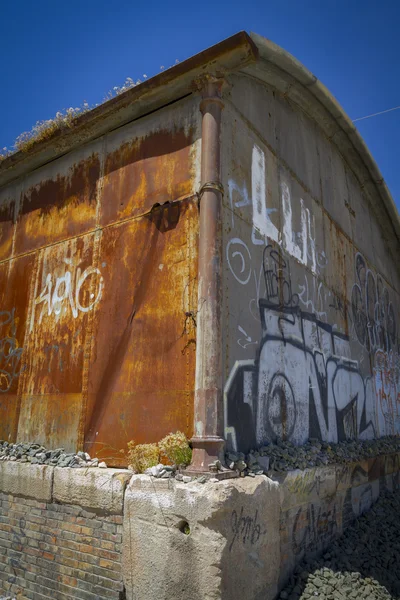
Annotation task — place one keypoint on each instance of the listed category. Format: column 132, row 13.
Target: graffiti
column 277, row 279
column 301, row 244
column 10, row 351
column 387, row 388
column 305, row 483
column 303, row 382
column 72, row 289
column 245, row 528
column 373, row 313
column 313, row 298
column 239, row 260
column 246, row 340
column 314, row 526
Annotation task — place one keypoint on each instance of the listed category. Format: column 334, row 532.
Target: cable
column 375, row 114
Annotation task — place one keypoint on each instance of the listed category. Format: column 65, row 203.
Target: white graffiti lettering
column 71, row 290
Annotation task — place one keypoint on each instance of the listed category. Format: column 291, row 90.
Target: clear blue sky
column 57, row 54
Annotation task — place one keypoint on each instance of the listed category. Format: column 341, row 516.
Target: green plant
column 143, row 456
column 175, row 447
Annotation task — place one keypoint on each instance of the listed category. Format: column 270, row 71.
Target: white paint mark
column 239, row 260
column 262, row 223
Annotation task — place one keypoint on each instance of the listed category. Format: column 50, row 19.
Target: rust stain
column 59, row 208
column 156, row 168
column 14, row 293
column 6, row 228
column 95, row 314
column 138, row 382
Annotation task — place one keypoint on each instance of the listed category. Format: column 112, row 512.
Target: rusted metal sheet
column 58, row 207
column 13, row 323
column 140, row 173
column 98, row 302
column 142, row 375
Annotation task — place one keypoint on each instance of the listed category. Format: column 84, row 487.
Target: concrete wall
column 95, row 534
column 311, row 290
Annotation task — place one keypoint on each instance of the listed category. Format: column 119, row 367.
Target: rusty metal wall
column 98, row 267
column 311, row 291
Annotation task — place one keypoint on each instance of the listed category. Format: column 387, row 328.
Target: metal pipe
column 208, row 441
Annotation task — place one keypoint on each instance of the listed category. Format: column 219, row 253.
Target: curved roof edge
column 252, row 54
column 305, row 89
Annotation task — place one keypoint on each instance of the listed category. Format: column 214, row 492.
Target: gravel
column 39, row 455
column 285, row 456
column 363, row 564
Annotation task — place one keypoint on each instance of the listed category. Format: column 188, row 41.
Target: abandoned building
column 213, row 251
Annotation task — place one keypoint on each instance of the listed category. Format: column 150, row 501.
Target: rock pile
column 285, row 456
column 39, row 455
column 363, row 564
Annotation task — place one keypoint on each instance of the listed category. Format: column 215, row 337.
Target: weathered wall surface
column 98, row 266
column 95, row 534
column 318, row 504
column 56, row 547
column 311, row 291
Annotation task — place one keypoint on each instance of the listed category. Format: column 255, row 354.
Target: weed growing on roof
column 45, row 129
column 63, row 119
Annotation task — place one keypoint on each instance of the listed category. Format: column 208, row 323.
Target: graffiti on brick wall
column 10, row 350
column 306, row 379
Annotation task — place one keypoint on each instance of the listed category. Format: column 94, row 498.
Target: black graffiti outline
column 373, row 313
column 245, row 528
column 278, row 284
column 10, row 352
column 322, row 373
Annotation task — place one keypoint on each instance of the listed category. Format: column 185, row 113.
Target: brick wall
column 58, row 551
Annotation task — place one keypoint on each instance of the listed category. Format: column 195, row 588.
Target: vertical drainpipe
column 208, row 441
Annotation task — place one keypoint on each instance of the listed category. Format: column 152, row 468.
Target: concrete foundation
column 97, row 534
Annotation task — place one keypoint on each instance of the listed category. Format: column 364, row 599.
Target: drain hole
column 122, row 595
column 183, row 526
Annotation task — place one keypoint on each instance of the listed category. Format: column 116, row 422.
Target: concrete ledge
column 196, row 541
column 94, row 488
column 25, row 479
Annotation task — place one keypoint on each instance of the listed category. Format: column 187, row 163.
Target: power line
column 378, row 113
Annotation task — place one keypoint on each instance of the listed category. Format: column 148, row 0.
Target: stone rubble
column 284, row 456
column 268, row 460
column 39, row 455
column 362, row 564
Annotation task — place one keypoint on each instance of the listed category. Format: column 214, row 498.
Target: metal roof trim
column 154, row 93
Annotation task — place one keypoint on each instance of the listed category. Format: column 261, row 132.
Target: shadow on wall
column 304, row 382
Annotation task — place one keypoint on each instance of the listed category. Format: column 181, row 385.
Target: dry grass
column 175, row 447
column 143, row 456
